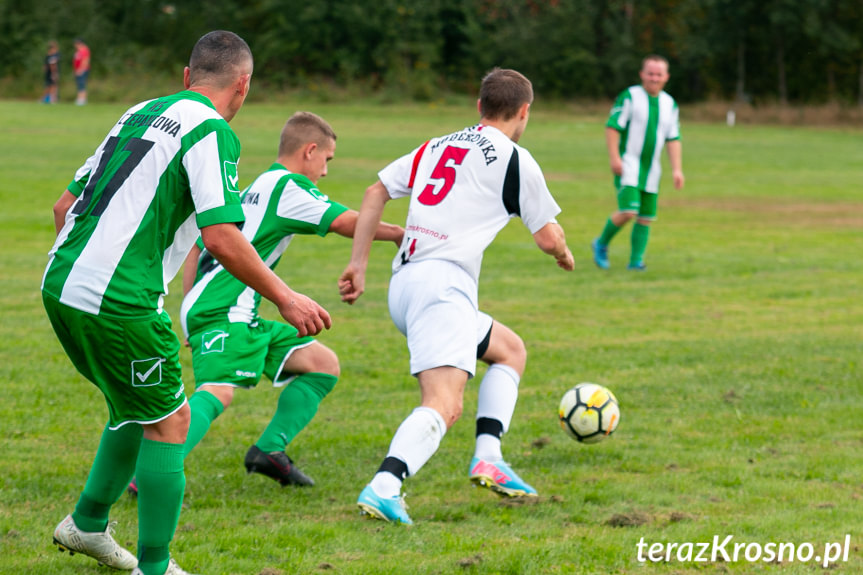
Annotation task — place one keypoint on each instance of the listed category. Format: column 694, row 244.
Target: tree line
column 786, row 51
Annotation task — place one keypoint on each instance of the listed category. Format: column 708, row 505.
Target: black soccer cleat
column 276, row 465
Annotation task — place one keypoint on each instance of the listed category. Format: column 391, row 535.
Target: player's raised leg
column 506, row 355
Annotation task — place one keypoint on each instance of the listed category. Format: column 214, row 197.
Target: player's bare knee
column 172, row 429
column 453, row 413
column 626, row 217
column 506, row 348
column 328, row 362
column 224, row 393
column 517, row 354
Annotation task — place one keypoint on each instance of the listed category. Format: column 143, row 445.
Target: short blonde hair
column 303, row 128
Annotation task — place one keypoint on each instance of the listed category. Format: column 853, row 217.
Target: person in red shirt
column 81, row 64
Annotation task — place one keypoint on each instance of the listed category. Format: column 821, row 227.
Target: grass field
column 736, row 360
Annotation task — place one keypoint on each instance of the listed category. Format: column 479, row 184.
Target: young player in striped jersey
column 463, row 188
column 232, row 347
column 125, row 224
column 643, row 120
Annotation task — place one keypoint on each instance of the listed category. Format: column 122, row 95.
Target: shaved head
column 218, row 58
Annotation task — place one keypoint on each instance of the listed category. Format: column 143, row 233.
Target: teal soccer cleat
column 387, row 508
column 500, row 478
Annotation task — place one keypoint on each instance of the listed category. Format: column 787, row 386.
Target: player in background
column 643, row 120
column 463, row 188
column 125, row 224
column 232, row 346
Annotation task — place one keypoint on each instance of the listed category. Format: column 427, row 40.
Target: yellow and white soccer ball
column 589, row 412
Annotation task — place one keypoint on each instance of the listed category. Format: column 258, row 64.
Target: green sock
column 608, row 232
column 205, row 407
column 640, row 233
column 112, row 469
column 161, row 482
column 298, row 404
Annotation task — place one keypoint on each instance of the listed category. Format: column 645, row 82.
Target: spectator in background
column 52, row 73
column 81, row 64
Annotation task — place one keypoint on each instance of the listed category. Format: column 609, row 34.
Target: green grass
column 736, row 360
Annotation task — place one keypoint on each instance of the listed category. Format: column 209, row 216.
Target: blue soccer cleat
column 387, row 508
column 639, row 267
column 500, row 478
column 600, row 254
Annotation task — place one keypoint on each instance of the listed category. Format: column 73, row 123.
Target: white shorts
column 434, row 304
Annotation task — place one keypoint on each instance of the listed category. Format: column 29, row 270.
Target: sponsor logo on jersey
column 147, row 372
column 232, row 179
column 213, row 341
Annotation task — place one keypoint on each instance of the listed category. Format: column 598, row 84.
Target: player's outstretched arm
column 552, row 240
column 228, row 245
column 62, row 206
column 353, row 280
column 346, row 225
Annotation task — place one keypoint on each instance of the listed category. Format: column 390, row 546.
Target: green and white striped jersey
column 278, row 205
column 168, row 167
column 645, row 123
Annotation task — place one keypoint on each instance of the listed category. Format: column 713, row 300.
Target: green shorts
column 630, row 199
column 238, row 354
column 135, row 361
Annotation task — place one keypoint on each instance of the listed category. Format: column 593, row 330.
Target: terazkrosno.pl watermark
column 730, row 551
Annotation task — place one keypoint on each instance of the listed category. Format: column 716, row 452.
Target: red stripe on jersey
column 415, row 164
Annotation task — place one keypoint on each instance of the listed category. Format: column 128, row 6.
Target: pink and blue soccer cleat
column 500, row 478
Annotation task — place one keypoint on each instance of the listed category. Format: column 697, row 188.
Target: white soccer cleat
column 173, row 569
column 100, row 545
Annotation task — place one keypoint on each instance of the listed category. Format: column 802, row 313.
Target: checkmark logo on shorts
column 213, row 341
column 147, row 372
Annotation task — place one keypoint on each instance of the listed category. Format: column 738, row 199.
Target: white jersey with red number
column 464, row 188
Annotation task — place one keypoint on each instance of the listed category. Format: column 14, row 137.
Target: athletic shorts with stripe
column 238, row 354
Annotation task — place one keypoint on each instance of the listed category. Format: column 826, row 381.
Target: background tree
column 796, row 51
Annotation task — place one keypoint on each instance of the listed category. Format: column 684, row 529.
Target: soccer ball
column 589, row 412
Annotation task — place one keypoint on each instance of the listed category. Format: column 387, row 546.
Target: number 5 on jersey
column 442, row 171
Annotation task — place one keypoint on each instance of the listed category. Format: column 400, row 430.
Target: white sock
column 386, row 484
column 498, row 394
column 415, row 441
column 488, row 448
